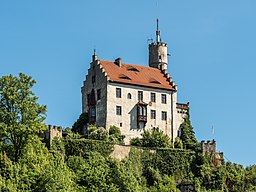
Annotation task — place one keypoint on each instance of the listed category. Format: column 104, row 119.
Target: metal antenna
column 94, row 57
column 157, row 32
column 157, row 24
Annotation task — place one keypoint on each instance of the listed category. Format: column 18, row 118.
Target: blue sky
column 212, row 46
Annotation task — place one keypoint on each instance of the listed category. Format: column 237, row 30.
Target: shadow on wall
column 133, row 118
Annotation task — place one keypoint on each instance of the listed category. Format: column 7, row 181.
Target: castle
column 134, row 97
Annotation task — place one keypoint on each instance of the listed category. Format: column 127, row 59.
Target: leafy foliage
column 78, row 164
column 99, row 133
column 81, row 147
column 115, row 135
column 153, row 138
column 80, row 124
column 188, row 135
column 20, row 114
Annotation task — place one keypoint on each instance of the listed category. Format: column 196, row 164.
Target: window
column 118, row 110
column 88, row 99
column 163, row 98
column 153, row 97
column 142, row 113
column 118, row 92
column 140, row 95
column 178, row 133
column 98, row 94
column 153, row 114
column 129, row 96
column 164, row 115
column 93, row 79
column 121, row 124
column 142, row 110
column 93, row 112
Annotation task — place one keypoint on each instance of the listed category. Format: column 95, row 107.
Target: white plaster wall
column 106, row 106
column 129, row 109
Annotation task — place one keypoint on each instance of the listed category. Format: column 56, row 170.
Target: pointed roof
column 137, row 75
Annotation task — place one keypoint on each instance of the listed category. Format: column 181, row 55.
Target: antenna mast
column 158, row 40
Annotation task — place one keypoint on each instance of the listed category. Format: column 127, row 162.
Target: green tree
column 123, row 176
column 153, row 138
column 80, row 124
column 92, row 173
column 166, row 185
column 99, row 134
column 178, row 143
column 250, row 178
column 40, row 170
column 20, row 114
column 234, row 177
column 188, row 135
column 115, row 135
column 57, row 177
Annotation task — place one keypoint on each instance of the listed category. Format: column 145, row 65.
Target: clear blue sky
column 212, row 46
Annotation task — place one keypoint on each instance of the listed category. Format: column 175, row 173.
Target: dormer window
column 122, row 76
column 131, row 68
column 152, row 80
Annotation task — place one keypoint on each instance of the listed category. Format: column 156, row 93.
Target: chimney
column 118, row 62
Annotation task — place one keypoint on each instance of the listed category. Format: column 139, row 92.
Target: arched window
column 129, row 96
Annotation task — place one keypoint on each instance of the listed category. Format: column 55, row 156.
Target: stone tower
column 158, row 52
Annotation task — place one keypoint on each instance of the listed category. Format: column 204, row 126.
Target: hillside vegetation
column 84, row 163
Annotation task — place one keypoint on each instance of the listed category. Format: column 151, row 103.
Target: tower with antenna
column 158, row 52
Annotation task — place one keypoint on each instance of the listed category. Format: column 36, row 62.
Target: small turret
column 158, row 52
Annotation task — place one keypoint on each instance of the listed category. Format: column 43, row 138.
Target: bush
column 153, row 138
column 136, row 141
column 81, row 122
column 178, row 143
column 81, row 147
column 115, row 135
column 99, row 134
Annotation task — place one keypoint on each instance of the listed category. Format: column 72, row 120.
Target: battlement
column 182, row 105
column 52, row 132
column 209, row 148
column 182, row 108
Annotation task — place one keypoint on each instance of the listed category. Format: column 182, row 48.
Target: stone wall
column 120, row 151
column 209, row 148
column 51, row 133
column 128, row 120
column 100, row 83
column 182, row 111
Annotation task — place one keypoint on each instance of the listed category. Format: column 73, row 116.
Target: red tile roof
column 136, row 75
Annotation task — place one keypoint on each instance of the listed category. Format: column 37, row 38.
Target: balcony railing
column 142, row 118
